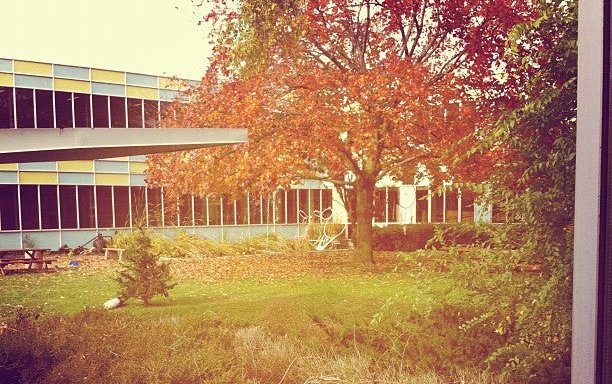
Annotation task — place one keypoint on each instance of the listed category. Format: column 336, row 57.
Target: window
column 392, row 205
column 6, row 108
column 24, row 99
column 326, row 201
column 242, row 211
column 29, row 206
column 100, row 111
column 292, row 208
column 63, row 109
column 104, row 203
column 121, row 197
column 421, row 205
column 154, row 207
column 437, row 208
column 151, row 112
column 267, row 210
column 199, row 209
column 139, row 214
column 170, row 211
column 48, row 207
column 214, row 210
column 305, row 211
column 467, row 206
column 87, row 213
column 279, row 207
column 134, row 113
column 9, row 208
column 185, row 210
column 228, row 210
column 380, row 205
column 117, row 110
column 255, row 210
column 498, row 215
column 44, row 109
column 451, row 205
column 68, row 206
column 82, row 110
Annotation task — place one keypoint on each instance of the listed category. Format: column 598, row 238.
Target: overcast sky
column 159, row 37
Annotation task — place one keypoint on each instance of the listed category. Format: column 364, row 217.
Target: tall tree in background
column 342, row 91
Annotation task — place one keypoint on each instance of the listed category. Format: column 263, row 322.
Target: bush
column 143, row 275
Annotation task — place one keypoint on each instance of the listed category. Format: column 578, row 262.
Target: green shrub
column 142, row 274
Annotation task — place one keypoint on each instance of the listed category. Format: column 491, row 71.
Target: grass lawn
column 311, row 317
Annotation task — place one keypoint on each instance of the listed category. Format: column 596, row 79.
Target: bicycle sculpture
column 324, row 236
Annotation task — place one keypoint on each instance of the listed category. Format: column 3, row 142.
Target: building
column 51, row 203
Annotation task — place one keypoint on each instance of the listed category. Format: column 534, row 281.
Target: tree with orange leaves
column 346, row 91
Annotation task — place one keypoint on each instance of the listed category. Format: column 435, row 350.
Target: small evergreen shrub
column 142, row 274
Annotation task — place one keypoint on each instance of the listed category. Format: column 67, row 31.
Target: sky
column 157, row 37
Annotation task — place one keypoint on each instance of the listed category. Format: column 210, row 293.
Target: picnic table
column 30, row 256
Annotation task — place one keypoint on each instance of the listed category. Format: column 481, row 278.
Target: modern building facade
column 51, row 203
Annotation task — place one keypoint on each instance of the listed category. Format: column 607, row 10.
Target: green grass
column 355, row 325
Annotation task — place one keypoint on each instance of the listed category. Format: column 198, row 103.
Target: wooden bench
column 30, row 262
column 114, row 253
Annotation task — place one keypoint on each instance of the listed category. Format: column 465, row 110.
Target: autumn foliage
column 346, row 92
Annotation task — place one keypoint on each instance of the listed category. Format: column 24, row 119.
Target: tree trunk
column 364, row 193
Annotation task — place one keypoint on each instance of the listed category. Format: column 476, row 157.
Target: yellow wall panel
column 112, row 179
column 138, row 167
column 33, row 68
column 8, row 167
column 38, row 177
column 6, row 79
column 72, row 85
column 107, row 76
column 75, row 166
column 142, row 93
column 122, row 158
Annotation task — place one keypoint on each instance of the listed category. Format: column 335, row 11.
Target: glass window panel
column 63, row 109
column 255, row 210
column 87, row 213
column 421, row 205
column 134, row 113
column 100, row 111
column 279, row 207
column 452, row 207
column 185, row 211
column 326, row 201
column 170, row 211
column 151, row 111
column 29, row 206
column 48, row 207
column 199, row 208
column 241, row 211
column 44, row 109
column 24, row 99
column 305, row 210
column 380, row 205
column 228, row 210
column 267, row 210
column 117, row 109
column 164, row 108
column 122, row 206
column 68, row 206
column 82, row 110
column 214, row 210
column 292, row 208
column 9, row 208
column 315, row 202
column 467, row 206
column 392, row 205
column 137, row 195
column 6, row 108
column 498, row 214
column 104, row 203
column 437, row 208
column 154, row 207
